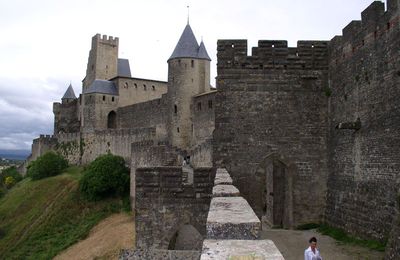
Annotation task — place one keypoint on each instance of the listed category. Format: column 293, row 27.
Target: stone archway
column 112, row 120
column 187, row 237
column 276, row 174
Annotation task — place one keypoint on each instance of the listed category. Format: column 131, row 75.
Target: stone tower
column 188, row 76
column 103, row 60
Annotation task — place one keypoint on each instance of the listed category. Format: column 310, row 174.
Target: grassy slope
column 38, row 219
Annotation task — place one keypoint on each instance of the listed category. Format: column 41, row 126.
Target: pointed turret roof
column 187, row 46
column 203, row 52
column 69, row 94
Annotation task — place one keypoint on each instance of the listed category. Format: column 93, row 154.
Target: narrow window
column 199, row 106
column 104, row 98
column 192, row 63
column 179, row 62
column 144, row 87
column 126, row 84
column 177, row 129
column 363, row 42
column 210, row 105
column 388, row 25
column 112, row 99
column 375, row 34
column 92, row 67
column 273, row 46
column 175, row 109
column 135, row 85
column 233, row 45
column 153, row 88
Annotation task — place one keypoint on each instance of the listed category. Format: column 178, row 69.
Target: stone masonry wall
column 66, row 117
column 203, row 117
column 84, row 148
column 164, row 203
column 147, row 114
column 274, row 102
column 365, row 163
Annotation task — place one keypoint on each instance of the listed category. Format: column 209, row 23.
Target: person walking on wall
column 312, row 252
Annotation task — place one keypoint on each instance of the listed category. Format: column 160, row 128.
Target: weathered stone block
column 225, row 191
column 240, row 249
column 232, row 218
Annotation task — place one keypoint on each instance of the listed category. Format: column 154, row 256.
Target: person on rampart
column 312, row 252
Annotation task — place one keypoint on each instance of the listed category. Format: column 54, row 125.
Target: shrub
column 10, row 172
column 104, row 177
column 49, row 164
column 9, row 182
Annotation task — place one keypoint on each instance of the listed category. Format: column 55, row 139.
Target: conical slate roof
column 202, row 54
column 69, row 94
column 187, row 46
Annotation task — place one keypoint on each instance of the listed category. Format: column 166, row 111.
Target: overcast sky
column 44, row 44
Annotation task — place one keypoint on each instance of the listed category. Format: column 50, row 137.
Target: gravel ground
column 292, row 244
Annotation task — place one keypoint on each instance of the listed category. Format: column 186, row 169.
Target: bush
column 49, row 164
column 8, row 178
column 104, row 177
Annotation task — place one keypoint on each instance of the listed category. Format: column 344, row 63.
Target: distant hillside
column 39, row 219
column 14, row 154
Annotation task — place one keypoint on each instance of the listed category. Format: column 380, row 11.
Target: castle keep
column 308, row 133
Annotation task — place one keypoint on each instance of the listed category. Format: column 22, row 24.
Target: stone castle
column 308, row 133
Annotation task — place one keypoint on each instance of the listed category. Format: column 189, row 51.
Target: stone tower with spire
column 188, row 76
column 66, row 113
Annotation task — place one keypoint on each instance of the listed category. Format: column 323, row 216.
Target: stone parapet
column 232, row 218
column 225, row 191
column 240, row 249
column 222, row 177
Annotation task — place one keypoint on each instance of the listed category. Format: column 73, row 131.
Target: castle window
column 112, row 99
column 388, row 25
column 144, row 87
column 312, row 46
column 177, row 129
column 135, row 85
column 92, row 67
column 363, row 42
column 104, row 98
column 210, row 105
column 233, row 45
column 273, row 46
column 199, row 106
column 297, row 54
column 192, row 63
column 375, row 34
column 179, row 62
column 175, row 109
column 126, row 85
column 153, row 88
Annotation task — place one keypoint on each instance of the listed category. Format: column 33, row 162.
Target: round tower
column 188, row 76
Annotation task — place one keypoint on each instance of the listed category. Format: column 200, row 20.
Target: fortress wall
column 203, row 117
column 164, row 203
column 146, row 114
column 135, row 90
column 66, row 117
column 201, row 155
column 117, row 142
column 271, row 108
column 82, row 148
column 365, row 163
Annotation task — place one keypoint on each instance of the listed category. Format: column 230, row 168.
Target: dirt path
column 292, row 244
column 104, row 241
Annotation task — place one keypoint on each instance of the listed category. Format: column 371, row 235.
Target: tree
column 104, row 177
column 49, row 164
column 10, row 172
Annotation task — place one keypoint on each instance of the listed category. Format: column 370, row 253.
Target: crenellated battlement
column 98, row 38
column 375, row 25
column 273, row 54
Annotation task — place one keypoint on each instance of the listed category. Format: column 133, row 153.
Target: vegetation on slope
column 38, row 219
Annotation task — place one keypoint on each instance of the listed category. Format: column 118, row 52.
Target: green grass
column 341, row 236
column 38, row 219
